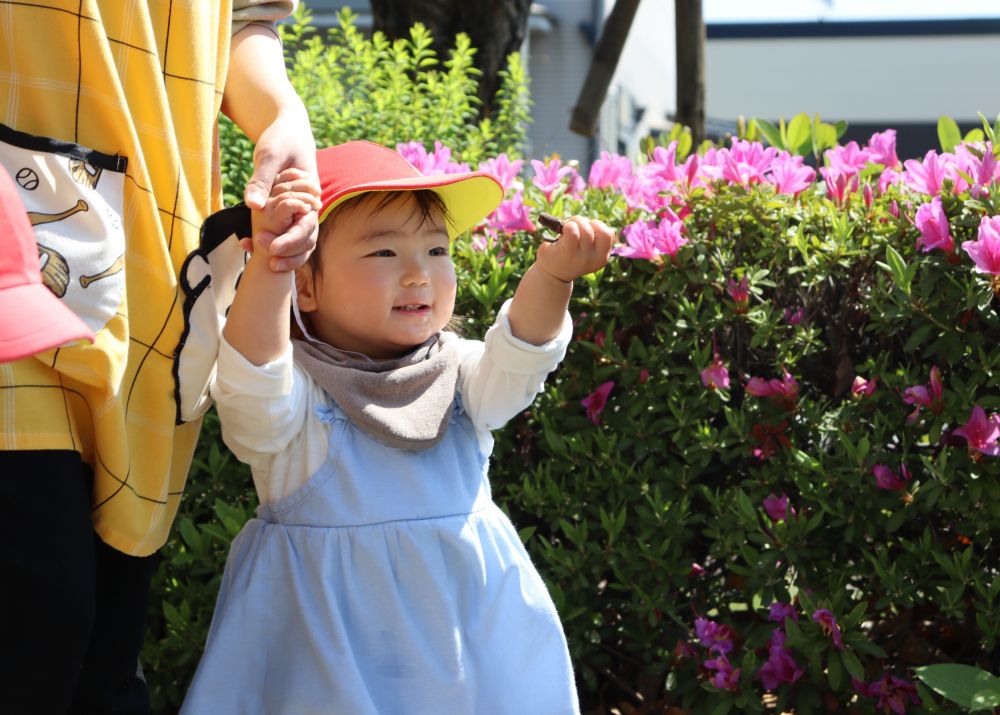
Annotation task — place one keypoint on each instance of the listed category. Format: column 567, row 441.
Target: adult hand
column 287, row 143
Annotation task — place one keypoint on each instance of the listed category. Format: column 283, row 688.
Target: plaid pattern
column 142, row 80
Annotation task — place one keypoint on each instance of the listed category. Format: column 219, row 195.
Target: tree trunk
column 495, row 27
column 602, row 67
column 690, row 28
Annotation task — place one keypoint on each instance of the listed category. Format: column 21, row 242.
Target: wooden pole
column 689, row 24
column 602, row 67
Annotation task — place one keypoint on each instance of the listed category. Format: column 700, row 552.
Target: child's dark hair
column 426, row 201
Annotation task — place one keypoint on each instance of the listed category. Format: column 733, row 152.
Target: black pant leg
column 112, row 680
column 47, row 561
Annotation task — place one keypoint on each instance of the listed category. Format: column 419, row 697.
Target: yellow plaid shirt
column 144, row 81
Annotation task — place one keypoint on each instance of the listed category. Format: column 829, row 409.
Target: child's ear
column 305, row 289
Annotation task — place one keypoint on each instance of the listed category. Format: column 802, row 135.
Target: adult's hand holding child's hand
column 289, row 213
column 584, row 246
column 286, row 145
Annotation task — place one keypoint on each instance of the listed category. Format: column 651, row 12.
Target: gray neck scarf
column 403, row 403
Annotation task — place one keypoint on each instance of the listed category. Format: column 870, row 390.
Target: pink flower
column 933, row 226
column 502, row 169
column 609, row 171
column 716, row 637
column 839, row 185
column 926, row 177
column 847, row 160
column 862, row 387
column 647, row 239
column 981, row 433
column 746, row 162
column 726, row 677
column 696, row 570
column 664, row 163
column 512, row 215
column 892, row 693
column 889, row 177
column 985, row 251
column 576, row 183
column 887, row 479
column 784, row 391
column 777, row 507
column 715, row 376
column 643, row 191
column 789, row 176
column 794, row 317
column 828, row 623
column 780, row 611
column 740, row 293
column 931, row 397
column 438, row 162
column 548, row 177
column 867, row 195
column 882, row 149
column 596, row 401
column 780, row 667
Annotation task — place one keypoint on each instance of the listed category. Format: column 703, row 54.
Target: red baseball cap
column 357, row 167
column 32, row 319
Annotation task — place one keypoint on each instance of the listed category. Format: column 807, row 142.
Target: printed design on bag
column 74, row 203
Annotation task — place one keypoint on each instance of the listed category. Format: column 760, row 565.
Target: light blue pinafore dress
column 390, row 584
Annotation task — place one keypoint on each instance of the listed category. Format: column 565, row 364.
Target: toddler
column 379, row 577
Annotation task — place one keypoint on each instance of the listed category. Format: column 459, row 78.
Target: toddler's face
column 387, row 282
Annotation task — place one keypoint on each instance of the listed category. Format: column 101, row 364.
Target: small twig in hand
column 552, row 223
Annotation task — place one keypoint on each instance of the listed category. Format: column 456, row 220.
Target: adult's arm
column 262, row 102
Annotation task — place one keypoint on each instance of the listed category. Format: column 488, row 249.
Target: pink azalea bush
column 800, row 363
column 769, row 463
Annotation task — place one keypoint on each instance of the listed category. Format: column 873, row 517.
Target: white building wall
column 870, row 79
column 646, row 78
column 557, row 63
column 641, row 94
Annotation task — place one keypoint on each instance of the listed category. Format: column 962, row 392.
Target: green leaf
column 799, row 135
column 986, row 700
column 897, row 268
column 852, row 665
column 959, row 683
column 974, row 136
column 724, row 707
column 770, row 132
column 834, row 672
column 949, row 135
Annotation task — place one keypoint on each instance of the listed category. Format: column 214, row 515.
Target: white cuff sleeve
column 261, row 407
column 501, row 376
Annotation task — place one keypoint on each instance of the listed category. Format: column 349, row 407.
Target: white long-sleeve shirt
column 268, row 412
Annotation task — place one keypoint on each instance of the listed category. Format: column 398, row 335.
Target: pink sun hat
column 358, row 167
column 32, row 319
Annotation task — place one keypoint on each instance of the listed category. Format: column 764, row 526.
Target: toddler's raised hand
column 291, row 199
column 583, row 247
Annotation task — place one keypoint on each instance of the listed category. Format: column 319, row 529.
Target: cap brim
column 469, row 197
column 32, row 320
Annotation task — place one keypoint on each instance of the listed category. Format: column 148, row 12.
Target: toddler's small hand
column 289, row 211
column 584, row 246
